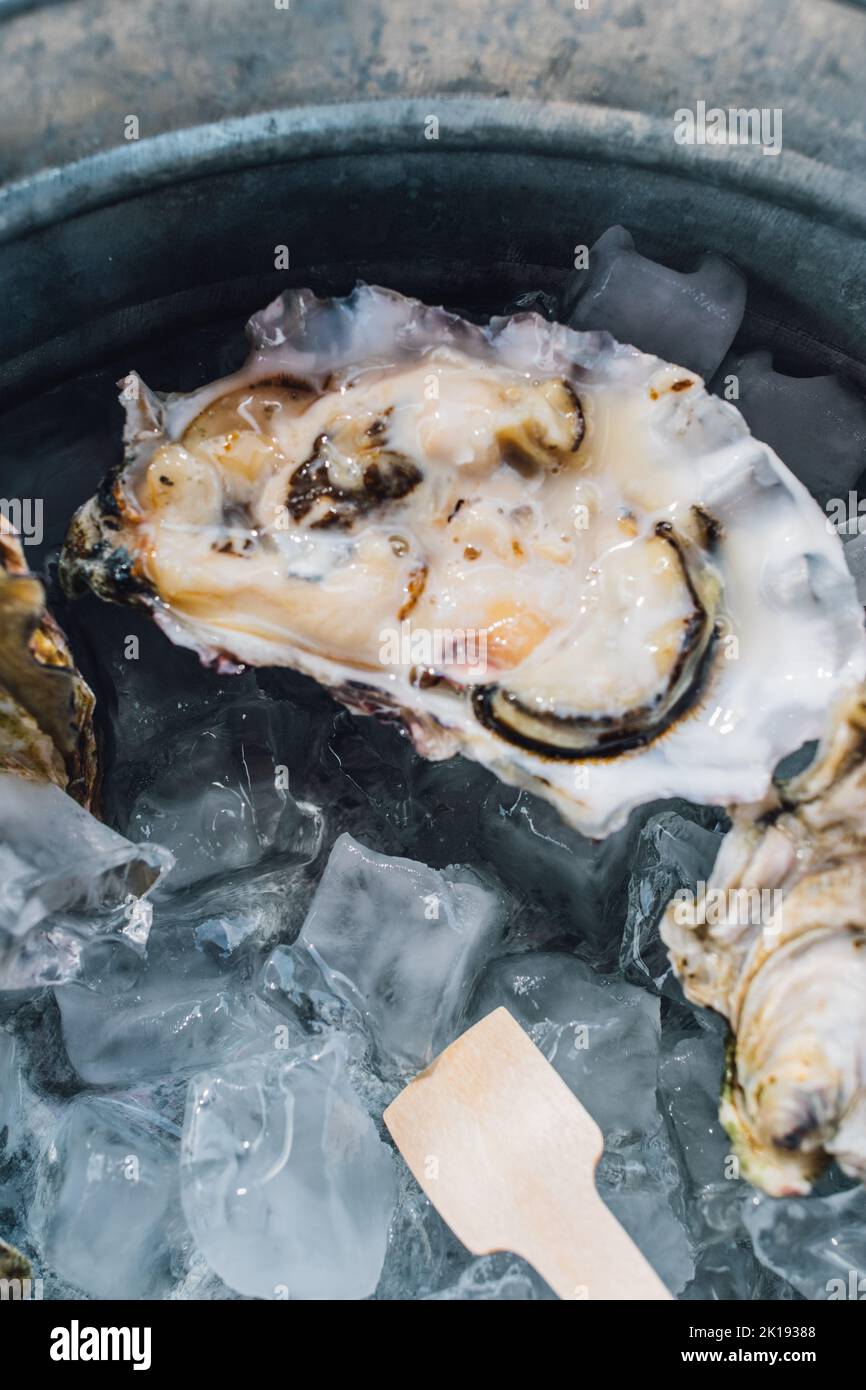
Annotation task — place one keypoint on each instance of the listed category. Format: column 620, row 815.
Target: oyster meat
column 46, row 707
column 776, row 942
column 540, row 548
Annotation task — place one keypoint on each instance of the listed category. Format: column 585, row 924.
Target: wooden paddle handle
column 589, row 1255
column 507, row 1155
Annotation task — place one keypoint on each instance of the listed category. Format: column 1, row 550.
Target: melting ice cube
column 287, row 1188
column 107, row 1190
column 690, row 319
column 65, row 880
column 403, row 943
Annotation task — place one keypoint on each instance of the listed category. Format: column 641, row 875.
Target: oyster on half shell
column 539, row 548
column 783, row 958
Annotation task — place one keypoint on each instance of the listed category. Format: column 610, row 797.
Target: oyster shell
column 540, row 548
column 782, row 955
column 46, row 708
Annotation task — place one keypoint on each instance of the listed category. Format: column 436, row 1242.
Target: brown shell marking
column 46, row 708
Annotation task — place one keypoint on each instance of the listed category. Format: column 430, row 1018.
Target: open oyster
column 777, row 944
column 46, row 708
column 540, row 548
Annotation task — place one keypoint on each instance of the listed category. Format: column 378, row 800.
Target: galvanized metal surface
column 72, row 71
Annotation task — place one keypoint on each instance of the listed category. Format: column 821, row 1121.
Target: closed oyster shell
column 776, row 943
column 46, row 707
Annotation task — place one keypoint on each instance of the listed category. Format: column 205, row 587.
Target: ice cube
column 640, row 1183
column 232, row 920
column 65, row 879
column 292, row 982
column 287, row 1188
column 672, row 853
column 817, row 425
column 107, row 1194
column 181, row 1013
column 600, row 1034
column 817, row 1243
column 647, row 1216
column 219, row 798
column 401, row 942
column 690, row 1082
column 687, row 318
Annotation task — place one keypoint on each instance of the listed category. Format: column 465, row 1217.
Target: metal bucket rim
column 548, row 129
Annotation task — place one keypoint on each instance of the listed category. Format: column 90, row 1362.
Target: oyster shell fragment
column 46, row 707
column 776, row 943
column 540, row 548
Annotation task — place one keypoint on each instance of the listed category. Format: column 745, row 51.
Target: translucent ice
column 690, row 319
column 219, row 798
column 690, row 1082
column 287, row 1188
column 494, row 1278
column 672, row 853
column 645, row 1211
column 817, row 1243
column 229, row 920
column 817, row 424
column 65, row 880
column 729, row 1271
column 600, row 1034
column 292, row 981
column 403, row 943
column 107, row 1191
column 181, row 1013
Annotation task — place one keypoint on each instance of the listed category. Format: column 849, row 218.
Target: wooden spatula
column 507, row 1156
